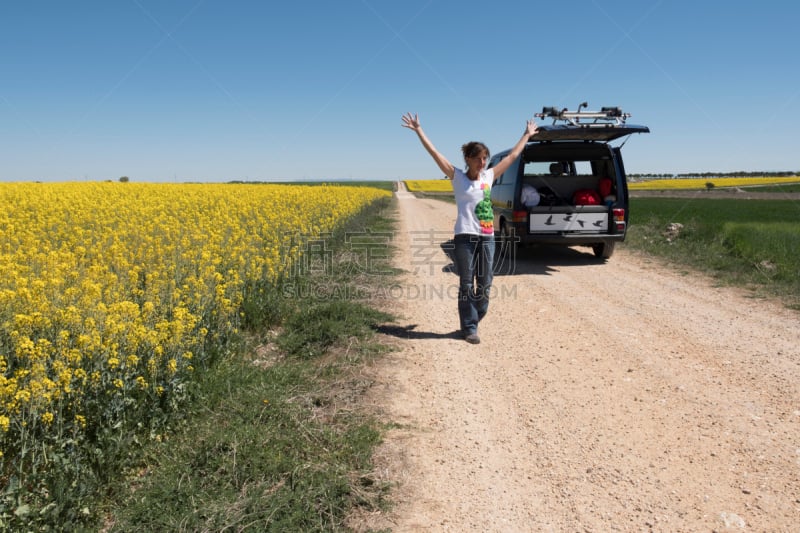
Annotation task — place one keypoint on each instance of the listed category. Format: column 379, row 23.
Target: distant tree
column 709, row 185
column 124, row 179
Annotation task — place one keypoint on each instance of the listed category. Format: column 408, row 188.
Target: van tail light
column 519, row 216
column 619, row 219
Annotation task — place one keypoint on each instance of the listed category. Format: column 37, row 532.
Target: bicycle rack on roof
column 606, row 117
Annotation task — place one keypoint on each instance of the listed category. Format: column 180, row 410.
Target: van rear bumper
column 522, row 235
column 569, row 240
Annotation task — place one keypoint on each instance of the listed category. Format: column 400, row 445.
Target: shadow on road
column 410, row 332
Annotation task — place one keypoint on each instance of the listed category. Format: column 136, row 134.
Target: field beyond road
column 737, row 194
column 604, row 396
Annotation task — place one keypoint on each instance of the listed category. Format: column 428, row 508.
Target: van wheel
column 505, row 251
column 508, row 244
column 604, row 250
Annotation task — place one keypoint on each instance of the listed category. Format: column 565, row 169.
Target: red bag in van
column 586, row 197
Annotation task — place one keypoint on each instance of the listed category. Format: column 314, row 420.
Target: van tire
column 508, row 244
column 505, row 251
column 604, row 250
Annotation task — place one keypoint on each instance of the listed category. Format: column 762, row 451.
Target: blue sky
column 212, row 90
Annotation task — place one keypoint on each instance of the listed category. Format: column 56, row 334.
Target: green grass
column 275, row 439
column 266, row 450
column 751, row 243
column 782, row 188
column 313, row 329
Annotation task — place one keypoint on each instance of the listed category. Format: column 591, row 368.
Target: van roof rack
column 606, row 117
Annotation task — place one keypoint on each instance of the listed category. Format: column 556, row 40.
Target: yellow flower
column 23, row 396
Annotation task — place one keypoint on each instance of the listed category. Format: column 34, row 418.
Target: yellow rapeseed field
column 110, row 293
column 701, row 183
column 441, row 185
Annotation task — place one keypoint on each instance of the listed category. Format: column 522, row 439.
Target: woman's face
column 478, row 161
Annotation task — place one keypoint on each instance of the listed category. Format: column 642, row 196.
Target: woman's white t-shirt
column 468, row 193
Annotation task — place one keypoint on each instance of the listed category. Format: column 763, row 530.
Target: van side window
column 583, row 168
column 537, row 168
column 493, row 162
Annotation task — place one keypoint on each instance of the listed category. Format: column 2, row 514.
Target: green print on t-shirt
column 484, row 211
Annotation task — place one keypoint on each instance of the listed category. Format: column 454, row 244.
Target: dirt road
column 604, row 397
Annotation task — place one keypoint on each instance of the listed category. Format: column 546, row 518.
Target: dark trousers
column 474, row 255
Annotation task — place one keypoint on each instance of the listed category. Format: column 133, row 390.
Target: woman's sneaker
column 473, row 338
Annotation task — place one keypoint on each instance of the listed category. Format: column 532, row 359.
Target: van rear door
column 585, row 132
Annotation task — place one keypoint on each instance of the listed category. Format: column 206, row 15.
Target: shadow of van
column 539, row 259
column 542, row 259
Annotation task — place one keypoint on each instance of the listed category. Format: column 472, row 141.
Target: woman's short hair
column 474, row 149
